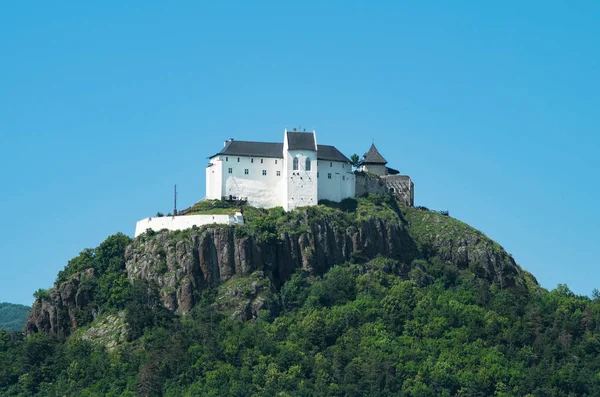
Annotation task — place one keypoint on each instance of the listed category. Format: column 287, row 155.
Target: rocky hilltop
column 363, row 297
column 271, row 247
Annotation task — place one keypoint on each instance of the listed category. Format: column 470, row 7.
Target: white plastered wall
column 336, row 180
column 264, row 191
column 302, row 185
column 214, row 176
column 185, row 222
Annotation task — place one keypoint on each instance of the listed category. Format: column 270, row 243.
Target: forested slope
column 12, row 316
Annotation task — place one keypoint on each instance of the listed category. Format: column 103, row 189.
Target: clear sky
column 492, row 109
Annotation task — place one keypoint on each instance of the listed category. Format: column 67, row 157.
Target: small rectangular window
column 246, row 171
column 231, row 170
column 343, row 177
column 329, row 176
column 261, row 161
column 275, row 161
column 317, row 174
column 330, row 164
column 264, row 172
column 226, row 158
column 252, row 160
column 278, row 173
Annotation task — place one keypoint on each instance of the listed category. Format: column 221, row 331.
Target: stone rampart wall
column 400, row 186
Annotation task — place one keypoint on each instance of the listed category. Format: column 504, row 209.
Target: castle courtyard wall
column 185, row 222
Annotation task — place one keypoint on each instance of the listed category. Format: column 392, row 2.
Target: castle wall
column 402, row 187
column 301, row 188
column 214, row 176
column 185, row 222
column 366, row 184
column 336, row 181
column 244, row 177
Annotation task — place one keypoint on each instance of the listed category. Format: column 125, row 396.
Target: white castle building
column 296, row 173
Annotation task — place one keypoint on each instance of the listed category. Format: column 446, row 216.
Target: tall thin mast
column 175, row 202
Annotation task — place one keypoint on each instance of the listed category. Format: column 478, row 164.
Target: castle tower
column 299, row 169
column 374, row 162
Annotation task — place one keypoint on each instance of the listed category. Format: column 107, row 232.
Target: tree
column 355, row 160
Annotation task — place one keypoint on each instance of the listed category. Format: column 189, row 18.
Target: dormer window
column 307, row 166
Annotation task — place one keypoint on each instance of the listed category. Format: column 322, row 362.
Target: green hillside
column 12, row 316
column 363, row 298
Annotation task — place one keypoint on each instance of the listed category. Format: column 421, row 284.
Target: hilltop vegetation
column 211, row 207
column 437, row 309
column 12, row 316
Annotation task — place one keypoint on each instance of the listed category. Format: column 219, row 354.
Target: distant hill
column 12, row 316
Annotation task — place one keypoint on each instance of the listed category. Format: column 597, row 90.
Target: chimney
column 227, row 141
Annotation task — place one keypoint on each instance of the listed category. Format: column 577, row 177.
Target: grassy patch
column 211, row 207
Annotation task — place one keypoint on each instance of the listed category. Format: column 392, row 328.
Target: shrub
column 41, row 294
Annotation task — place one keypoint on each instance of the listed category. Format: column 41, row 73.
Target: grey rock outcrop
column 55, row 313
column 213, row 255
column 109, row 331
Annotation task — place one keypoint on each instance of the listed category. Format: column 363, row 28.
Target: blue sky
column 493, row 109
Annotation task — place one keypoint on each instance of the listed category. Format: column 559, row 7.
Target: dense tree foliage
column 106, row 286
column 357, row 330
column 12, row 316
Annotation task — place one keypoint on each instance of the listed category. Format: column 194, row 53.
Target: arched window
column 295, row 163
column 307, row 166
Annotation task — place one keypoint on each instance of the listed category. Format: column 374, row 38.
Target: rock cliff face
column 199, row 258
column 213, row 255
column 56, row 312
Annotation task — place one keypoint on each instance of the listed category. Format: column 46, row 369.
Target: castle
column 296, row 173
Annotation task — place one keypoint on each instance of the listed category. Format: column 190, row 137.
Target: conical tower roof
column 373, row 156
